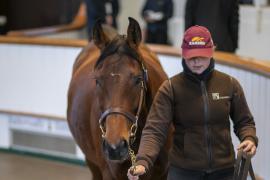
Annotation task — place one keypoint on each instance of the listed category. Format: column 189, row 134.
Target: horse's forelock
column 119, row 46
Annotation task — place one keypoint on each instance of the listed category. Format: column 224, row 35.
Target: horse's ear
column 134, row 33
column 99, row 37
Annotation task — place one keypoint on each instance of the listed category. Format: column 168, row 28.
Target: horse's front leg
column 96, row 173
column 107, row 174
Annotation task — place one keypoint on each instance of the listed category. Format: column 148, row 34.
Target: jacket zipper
column 206, row 119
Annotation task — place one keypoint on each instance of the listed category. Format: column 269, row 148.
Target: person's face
column 198, row 64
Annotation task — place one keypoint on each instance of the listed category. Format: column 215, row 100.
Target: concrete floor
column 20, row 167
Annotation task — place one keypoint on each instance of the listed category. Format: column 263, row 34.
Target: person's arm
column 145, row 9
column 99, row 6
column 244, row 125
column 112, row 8
column 189, row 13
column 157, row 126
column 96, row 9
column 168, row 10
column 234, row 23
column 115, row 8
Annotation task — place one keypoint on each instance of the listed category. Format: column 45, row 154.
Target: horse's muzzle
column 118, row 152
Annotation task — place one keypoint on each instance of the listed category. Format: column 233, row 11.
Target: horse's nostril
column 123, row 144
column 117, row 151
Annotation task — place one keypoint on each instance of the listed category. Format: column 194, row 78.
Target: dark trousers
column 183, row 174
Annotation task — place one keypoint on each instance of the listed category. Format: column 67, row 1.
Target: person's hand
column 157, row 16
column 134, row 173
column 147, row 16
column 148, row 19
column 248, row 146
column 151, row 16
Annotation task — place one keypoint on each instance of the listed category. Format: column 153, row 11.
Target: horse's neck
column 87, row 57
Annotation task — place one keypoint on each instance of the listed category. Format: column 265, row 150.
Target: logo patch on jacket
column 216, row 96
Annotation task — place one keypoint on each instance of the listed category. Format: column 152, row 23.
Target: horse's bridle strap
column 117, row 110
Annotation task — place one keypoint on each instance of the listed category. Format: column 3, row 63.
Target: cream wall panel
column 35, row 78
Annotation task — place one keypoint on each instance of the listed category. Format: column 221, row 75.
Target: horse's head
column 120, row 88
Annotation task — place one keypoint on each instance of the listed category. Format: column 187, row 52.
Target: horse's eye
column 98, row 83
column 138, row 79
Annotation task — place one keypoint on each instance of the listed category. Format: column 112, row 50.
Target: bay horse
column 114, row 81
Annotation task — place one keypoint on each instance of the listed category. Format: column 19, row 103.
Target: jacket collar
column 204, row 76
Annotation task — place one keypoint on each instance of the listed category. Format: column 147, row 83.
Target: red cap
column 197, row 42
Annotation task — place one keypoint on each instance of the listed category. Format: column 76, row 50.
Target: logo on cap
column 197, row 41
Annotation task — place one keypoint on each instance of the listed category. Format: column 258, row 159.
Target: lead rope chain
column 133, row 159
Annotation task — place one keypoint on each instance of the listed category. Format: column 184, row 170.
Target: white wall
column 35, row 78
column 254, row 38
column 129, row 8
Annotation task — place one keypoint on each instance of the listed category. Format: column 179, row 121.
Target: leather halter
column 133, row 118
